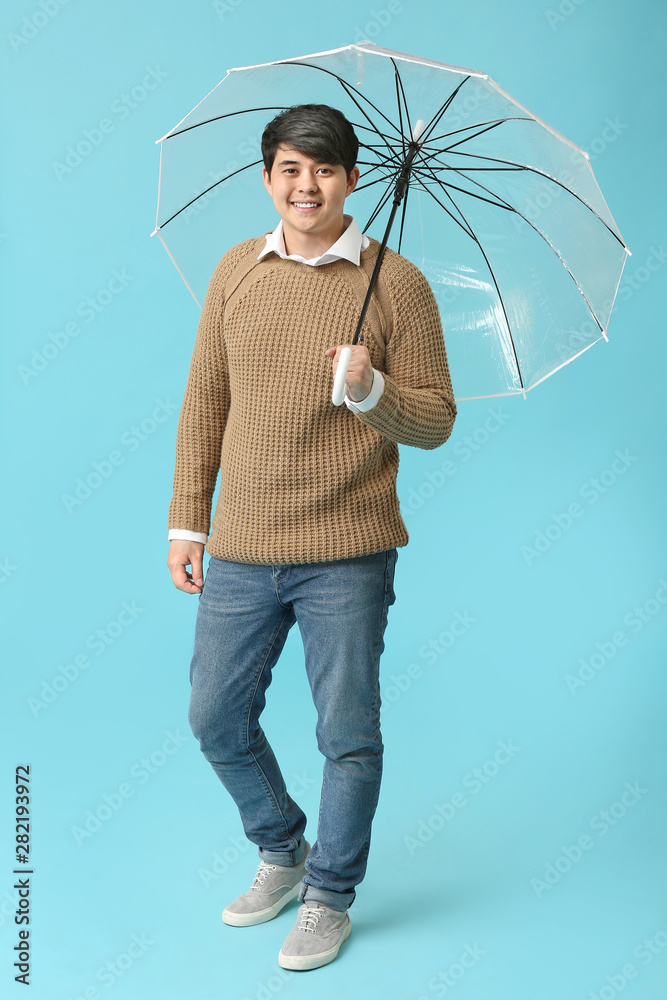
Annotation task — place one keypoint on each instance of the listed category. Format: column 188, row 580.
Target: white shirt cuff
column 371, row 399
column 188, row 536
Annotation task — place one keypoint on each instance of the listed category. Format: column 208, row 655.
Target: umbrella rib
column 381, row 163
column 380, row 205
column 371, row 127
column 374, row 145
column 539, row 232
column 395, row 159
column 495, row 170
column 374, row 164
column 494, row 124
column 367, row 173
column 509, row 328
column 534, row 170
column 438, row 114
column 230, row 114
column 473, row 235
column 201, row 195
column 405, row 204
column 347, row 88
column 445, row 209
column 444, row 187
column 431, row 154
column 246, row 111
column 392, row 162
column 397, row 79
column 506, row 205
column 378, row 180
column 377, row 148
column 410, row 123
column 386, row 140
column 480, row 197
column 466, row 128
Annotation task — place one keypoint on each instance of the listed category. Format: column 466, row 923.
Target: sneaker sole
column 302, row 963
column 260, row 916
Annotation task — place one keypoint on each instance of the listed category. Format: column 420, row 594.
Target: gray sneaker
column 315, row 938
column 272, row 888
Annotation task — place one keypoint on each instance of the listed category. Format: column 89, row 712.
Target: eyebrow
column 290, row 163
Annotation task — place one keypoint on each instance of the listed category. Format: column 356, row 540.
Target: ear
column 352, row 181
column 266, row 177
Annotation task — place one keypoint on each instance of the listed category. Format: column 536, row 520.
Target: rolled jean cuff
column 330, row 897
column 287, row 858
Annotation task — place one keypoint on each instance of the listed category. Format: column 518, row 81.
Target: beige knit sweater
column 302, row 480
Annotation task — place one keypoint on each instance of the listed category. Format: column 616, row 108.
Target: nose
column 308, row 181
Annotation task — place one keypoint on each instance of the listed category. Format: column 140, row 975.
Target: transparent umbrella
column 501, row 212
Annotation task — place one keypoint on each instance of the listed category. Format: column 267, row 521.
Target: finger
column 197, row 573
column 182, row 579
column 189, row 587
column 179, row 576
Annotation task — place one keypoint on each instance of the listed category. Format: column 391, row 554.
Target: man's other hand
column 184, row 553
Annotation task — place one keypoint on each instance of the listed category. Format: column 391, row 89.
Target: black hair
column 316, row 130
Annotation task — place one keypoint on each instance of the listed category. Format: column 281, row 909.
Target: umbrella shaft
column 399, row 193
column 404, row 178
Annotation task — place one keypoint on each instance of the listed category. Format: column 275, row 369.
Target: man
column 307, row 523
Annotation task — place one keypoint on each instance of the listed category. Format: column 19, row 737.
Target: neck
column 311, row 245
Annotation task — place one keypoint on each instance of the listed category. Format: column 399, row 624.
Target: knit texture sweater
column 302, row 480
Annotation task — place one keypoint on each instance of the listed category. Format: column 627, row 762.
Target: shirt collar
column 347, row 247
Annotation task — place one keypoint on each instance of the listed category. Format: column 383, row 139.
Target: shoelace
column 262, row 872
column 309, row 914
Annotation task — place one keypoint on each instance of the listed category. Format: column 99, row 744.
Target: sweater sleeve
column 203, row 414
column 417, row 405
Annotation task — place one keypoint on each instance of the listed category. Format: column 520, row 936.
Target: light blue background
column 592, row 70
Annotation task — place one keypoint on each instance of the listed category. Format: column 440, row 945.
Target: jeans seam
column 247, row 726
column 384, row 618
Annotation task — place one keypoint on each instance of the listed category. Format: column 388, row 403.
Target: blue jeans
column 244, row 616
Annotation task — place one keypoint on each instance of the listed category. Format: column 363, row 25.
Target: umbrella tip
column 418, row 129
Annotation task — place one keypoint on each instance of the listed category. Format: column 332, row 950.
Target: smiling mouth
column 305, row 206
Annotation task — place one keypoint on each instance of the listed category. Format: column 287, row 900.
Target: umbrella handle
column 338, row 393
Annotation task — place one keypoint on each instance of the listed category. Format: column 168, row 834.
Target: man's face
column 309, row 196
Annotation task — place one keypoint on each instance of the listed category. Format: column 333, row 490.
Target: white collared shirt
column 347, row 247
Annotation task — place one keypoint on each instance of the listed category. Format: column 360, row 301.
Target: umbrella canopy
column 503, row 213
